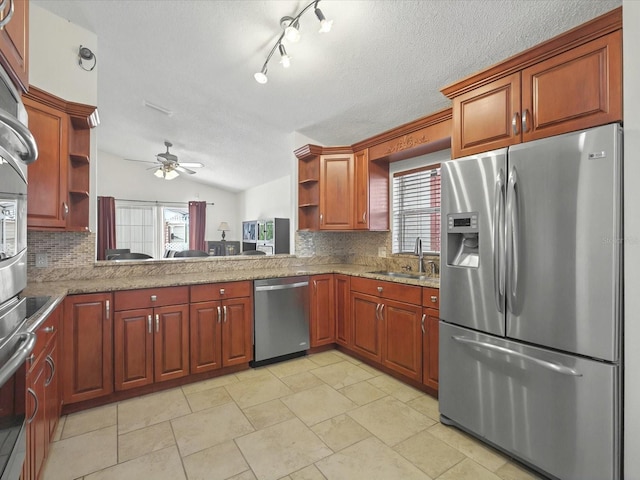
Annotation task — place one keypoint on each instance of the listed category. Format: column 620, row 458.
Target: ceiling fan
column 168, row 167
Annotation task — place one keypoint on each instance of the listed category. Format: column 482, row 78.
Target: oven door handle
column 24, row 135
column 19, row 357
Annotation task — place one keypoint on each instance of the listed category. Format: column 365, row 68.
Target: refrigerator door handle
column 564, row 370
column 499, row 262
column 513, row 235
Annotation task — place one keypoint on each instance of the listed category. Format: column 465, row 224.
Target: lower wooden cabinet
column 221, row 321
column 151, row 345
column 386, row 324
column 322, row 312
column 430, row 336
column 342, row 284
column 87, row 339
column 43, row 400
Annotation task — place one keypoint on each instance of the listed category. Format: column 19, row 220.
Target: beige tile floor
column 325, row 416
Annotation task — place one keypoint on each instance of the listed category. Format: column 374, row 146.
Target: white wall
column 631, row 68
column 53, row 66
column 271, row 199
column 128, row 180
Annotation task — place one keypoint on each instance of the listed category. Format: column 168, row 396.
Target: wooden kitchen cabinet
column 342, row 285
column 386, row 324
column 569, row 83
column 322, row 312
column 43, row 399
column 14, row 44
column 336, row 191
column 221, row 323
column 87, row 339
column 340, row 190
column 430, row 336
column 59, row 181
column 151, row 336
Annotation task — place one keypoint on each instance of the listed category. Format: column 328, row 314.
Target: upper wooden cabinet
column 341, row 190
column 59, row 180
column 571, row 82
column 14, row 43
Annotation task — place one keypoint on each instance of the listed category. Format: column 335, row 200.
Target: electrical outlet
column 382, row 251
column 41, row 260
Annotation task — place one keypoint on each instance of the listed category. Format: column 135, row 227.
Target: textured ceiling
column 382, row 65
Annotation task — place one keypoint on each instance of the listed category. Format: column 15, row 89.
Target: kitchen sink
column 413, row 276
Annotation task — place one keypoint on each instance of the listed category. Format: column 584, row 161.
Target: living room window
column 416, row 209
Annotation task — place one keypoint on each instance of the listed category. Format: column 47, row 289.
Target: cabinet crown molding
column 82, row 116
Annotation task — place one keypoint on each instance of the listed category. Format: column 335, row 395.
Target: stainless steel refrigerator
column 530, row 313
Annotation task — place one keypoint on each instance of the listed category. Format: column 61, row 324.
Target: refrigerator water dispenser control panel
column 462, row 222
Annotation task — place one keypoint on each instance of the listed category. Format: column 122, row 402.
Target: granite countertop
column 68, row 287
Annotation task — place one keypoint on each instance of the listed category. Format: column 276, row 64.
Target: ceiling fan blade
column 180, row 168
column 191, row 164
column 139, row 161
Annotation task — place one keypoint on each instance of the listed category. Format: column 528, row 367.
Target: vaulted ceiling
column 381, row 65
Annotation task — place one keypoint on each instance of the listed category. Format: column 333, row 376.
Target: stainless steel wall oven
column 17, row 149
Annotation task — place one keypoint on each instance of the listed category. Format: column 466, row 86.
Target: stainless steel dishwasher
column 281, row 318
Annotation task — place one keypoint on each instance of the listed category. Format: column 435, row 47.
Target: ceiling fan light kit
column 291, row 33
column 167, row 166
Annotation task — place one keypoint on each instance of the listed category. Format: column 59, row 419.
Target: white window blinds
column 416, row 209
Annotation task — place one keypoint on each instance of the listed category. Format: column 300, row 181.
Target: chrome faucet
column 418, row 252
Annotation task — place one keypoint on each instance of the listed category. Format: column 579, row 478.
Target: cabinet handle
column 222, row 291
column 107, row 308
column 514, row 123
column 157, row 323
column 364, row 217
column 32, row 358
column 377, row 311
column 154, row 298
column 49, row 329
column 434, row 299
column 65, row 210
column 382, row 311
column 422, row 322
column 525, row 123
column 320, row 218
column 6, row 19
column 149, row 322
column 35, row 410
column 379, row 289
column 224, row 310
column 52, row 365
column 219, row 314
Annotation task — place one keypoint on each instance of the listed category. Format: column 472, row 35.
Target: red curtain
column 197, row 225
column 106, row 225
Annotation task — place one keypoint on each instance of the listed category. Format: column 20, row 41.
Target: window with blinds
column 416, row 209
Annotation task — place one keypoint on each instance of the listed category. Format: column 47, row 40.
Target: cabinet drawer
column 431, row 297
column 150, row 297
column 393, row 291
column 45, row 332
column 220, row 291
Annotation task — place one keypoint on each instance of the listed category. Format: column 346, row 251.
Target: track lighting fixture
column 291, row 33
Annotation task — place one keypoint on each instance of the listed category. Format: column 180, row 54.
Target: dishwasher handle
column 267, row 288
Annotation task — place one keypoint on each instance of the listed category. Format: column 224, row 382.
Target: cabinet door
column 47, row 190
column 366, row 322
column 343, row 312
column 322, row 310
column 336, row 192
column 171, row 342
column 37, row 428
column 87, row 366
column 14, row 44
column 237, row 331
column 361, row 190
column 402, row 338
column 133, row 348
column 52, row 388
column 578, row 89
column 483, row 119
column 430, row 337
column 205, row 320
